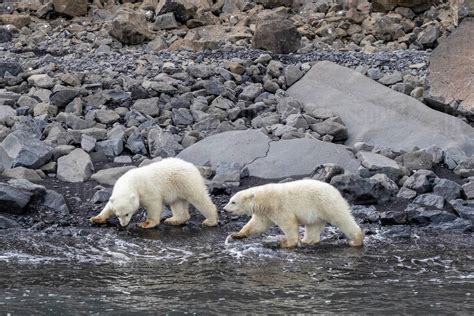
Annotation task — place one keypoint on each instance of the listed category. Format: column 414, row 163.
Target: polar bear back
column 170, row 179
column 307, row 199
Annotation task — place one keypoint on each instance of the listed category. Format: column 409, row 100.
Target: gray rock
column 111, row 175
column 330, row 127
column 41, row 81
column 163, row 144
column 465, row 209
column 296, row 121
column 73, row 121
column 147, row 106
column 450, row 190
column 227, row 175
column 375, row 114
column 110, row 147
column 425, row 215
column 75, row 166
column 431, row 200
column 276, row 35
column 436, row 152
column 250, row 92
column 11, row 67
column 88, row 143
column 22, row 173
column 63, row 97
column 391, row 78
column 101, row 196
column 13, row 200
column 421, row 181
column 292, row 75
column 6, row 223
column 325, row 172
column 200, row 71
column 130, row 27
column 107, row 116
column 362, row 191
column 182, row 116
column 405, row 193
column 37, row 190
column 459, row 224
column 416, row 160
column 428, row 36
column 468, row 190
column 55, row 201
column 373, row 161
column 135, row 143
column 5, row 35
column 465, row 167
column 165, row 21
column 21, row 149
column 222, row 103
column 367, row 214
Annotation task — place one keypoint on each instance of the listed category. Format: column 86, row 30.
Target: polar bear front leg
column 312, row 233
column 105, row 214
column 289, row 226
column 180, row 213
column 153, row 210
column 258, row 224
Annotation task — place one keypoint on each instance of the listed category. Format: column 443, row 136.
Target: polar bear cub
column 309, row 202
column 171, row 181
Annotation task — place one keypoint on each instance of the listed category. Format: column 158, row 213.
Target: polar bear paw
column 148, row 224
column 237, row 236
column 98, row 219
column 175, row 221
column 285, row 243
column 209, row 222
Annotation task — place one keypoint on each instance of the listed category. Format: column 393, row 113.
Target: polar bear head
column 242, row 202
column 124, row 207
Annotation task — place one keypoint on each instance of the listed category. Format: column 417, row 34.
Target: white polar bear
column 309, row 202
column 171, row 181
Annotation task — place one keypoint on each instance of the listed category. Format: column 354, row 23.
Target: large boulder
column 415, row 5
column 378, row 115
column 130, row 28
column 21, row 149
column 183, row 10
column 110, row 176
column 75, row 167
column 277, row 35
column 265, row 158
column 13, row 200
column 447, row 87
column 70, row 8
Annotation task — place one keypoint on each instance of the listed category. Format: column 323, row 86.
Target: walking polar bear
column 171, row 181
column 309, row 202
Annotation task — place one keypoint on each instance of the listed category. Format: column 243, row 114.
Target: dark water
column 178, row 270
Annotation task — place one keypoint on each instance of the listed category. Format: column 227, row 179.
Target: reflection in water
column 184, row 272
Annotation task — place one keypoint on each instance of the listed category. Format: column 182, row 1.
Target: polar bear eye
column 126, row 215
column 232, row 202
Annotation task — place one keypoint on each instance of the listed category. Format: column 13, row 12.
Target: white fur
column 171, row 181
column 309, row 202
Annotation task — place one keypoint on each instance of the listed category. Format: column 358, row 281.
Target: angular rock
column 107, row 116
column 325, row 172
column 165, row 21
column 111, row 175
column 6, row 223
column 250, row 92
column 425, row 215
column 55, row 201
column 431, row 200
column 405, row 193
column 450, row 190
column 130, row 28
column 465, row 167
column 75, row 167
column 162, row 144
column 446, row 87
column 468, row 190
column 278, row 36
column 71, row 8
column 465, row 209
column 13, row 68
column 41, row 81
column 292, row 75
column 227, row 175
column 22, row 173
column 416, row 160
column 362, row 191
column 21, row 149
column 5, row 35
column 182, row 116
column 377, row 162
column 13, row 200
column 375, row 114
column 110, row 147
column 147, row 106
column 63, row 97
column 421, row 181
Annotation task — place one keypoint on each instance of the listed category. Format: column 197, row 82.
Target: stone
column 110, row 176
column 431, row 200
column 162, row 144
column 425, row 215
column 46, row 109
column 421, row 181
column 130, row 27
column 157, row 44
column 41, row 81
column 428, row 36
column 468, row 190
column 277, row 35
column 6, row 113
column 200, row 71
column 367, row 214
column 361, row 190
column 102, row 196
column 107, row 116
column 165, row 21
column 250, row 92
column 391, row 78
column 6, row 223
column 11, row 67
column 182, row 116
column 21, row 149
column 459, row 224
column 448, row 189
column 465, row 209
column 465, row 167
column 227, row 175
column 292, row 74
column 297, row 121
column 182, row 9
column 387, row 5
column 446, row 87
column 88, row 143
column 135, row 143
column 373, row 161
column 22, row 173
column 405, row 193
column 110, row 147
column 75, row 166
column 5, row 35
column 332, row 128
column 325, row 172
column 416, row 160
column 147, row 106
column 18, row 20
column 13, row 200
column 55, row 201
column 271, row 4
column 73, row 121
column 70, row 8
column 375, row 114
column 63, row 97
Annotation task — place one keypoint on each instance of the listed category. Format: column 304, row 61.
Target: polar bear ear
column 111, row 200
column 134, row 198
column 251, row 196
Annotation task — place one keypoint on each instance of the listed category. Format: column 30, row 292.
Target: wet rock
column 416, row 160
column 130, row 28
column 449, row 190
column 362, row 191
column 393, row 217
column 13, row 200
column 468, row 190
column 465, row 209
column 75, row 166
column 421, row 181
column 22, row 173
column 465, row 167
column 446, row 87
column 6, row 223
column 422, row 215
column 459, row 224
column 325, row 172
column 71, row 8
column 276, row 35
column 110, row 176
column 21, row 149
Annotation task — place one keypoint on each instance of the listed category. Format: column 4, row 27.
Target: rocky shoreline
column 78, row 108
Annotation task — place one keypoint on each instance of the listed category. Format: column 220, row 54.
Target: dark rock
column 276, row 35
column 70, row 8
column 326, row 172
column 459, row 224
column 102, row 195
column 110, row 147
column 431, row 200
column 13, row 68
column 5, row 35
column 393, row 217
column 362, row 191
column 450, row 190
column 416, row 160
column 130, row 28
column 422, row 215
column 63, row 97
column 468, row 190
column 368, row 214
column 465, row 167
column 55, row 201
column 13, row 200
column 405, row 193
column 6, row 223
column 465, row 209
column 21, row 149
column 330, row 127
column 421, row 181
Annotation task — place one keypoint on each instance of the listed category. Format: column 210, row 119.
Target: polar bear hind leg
column 312, row 232
column 202, row 202
column 180, row 209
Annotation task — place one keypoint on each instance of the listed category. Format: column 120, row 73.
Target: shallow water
column 181, row 270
